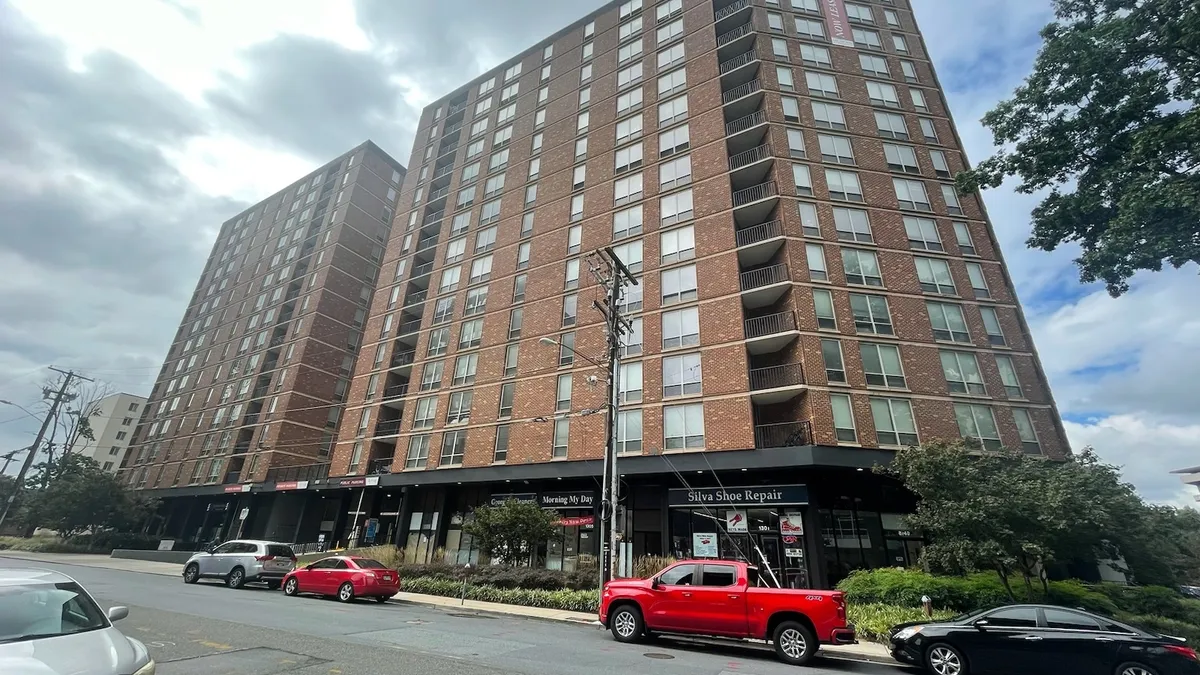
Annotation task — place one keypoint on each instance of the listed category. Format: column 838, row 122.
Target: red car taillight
column 1182, row 650
column 839, row 601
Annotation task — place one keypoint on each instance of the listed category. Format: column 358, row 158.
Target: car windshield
column 33, row 611
column 369, row 564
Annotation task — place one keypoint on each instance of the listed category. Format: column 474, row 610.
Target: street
column 207, row 628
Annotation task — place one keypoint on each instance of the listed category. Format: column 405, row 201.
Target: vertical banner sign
column 835, row 21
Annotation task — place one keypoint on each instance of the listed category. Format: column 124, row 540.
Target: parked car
column 1040, row 640
column 50, row 624
column 724, row 599
column 347, row 577
column 242, row 561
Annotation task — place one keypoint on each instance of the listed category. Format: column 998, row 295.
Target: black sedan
column 1040, row 640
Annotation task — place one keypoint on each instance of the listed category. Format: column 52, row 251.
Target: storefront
column 761, row 524
column 574, row 544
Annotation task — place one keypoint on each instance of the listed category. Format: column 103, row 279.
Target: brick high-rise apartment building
column 260, row 365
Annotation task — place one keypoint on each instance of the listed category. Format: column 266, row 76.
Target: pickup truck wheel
column 626, row 623
column 794, row 643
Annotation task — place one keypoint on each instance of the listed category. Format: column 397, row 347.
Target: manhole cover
column 656, row 655
column 467, row 615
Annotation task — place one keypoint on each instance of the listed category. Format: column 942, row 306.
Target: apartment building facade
column 113, row 428
column 257, row 374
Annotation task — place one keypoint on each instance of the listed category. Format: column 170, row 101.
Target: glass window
column 1025, row 430
column 881, row 365
column 823, row 304
column 922, row 234
column 719, row 575
column 831, row 354
column 1016, row 617
column 991, row 323
column 948, row 322
column 683, row 426
column 1061, row 618
column 894, row 423
column 680, row 575
column 962, row 373
column 681, row 375
column 891, row 125
column 901, row 158
column 962, row 233
column 861, row 267
column 821, row 84
column 843, row 418
column 934, row 276
column 815, row 254
column 871, row 314
column 802, row 177
column 681, row 328
column 1008, row 375
column 679, row 285
column 843, row 185
column 911, row 194
column 631, row 382
column 629, row 431
column 852, row 224
column 791, row 108
column 454, row 446
column 826, row 115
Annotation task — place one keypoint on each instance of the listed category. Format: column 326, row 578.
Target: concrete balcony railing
column 784, row 435
column 770, row 324
column 773, row 377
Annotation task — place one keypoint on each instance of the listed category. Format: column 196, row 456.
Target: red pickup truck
column 723, row 599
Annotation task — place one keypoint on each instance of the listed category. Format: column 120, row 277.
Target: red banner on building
column 577, row 521
column 835, row 22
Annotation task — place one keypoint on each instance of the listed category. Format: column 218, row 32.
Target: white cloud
column 1142, row 447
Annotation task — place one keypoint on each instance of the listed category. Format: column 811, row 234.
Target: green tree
column 1108, row 121
column 80, row 497
column 510, row 532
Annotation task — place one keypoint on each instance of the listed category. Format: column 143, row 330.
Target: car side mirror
column 980, row 624
column 117, row 613
column 654, row 584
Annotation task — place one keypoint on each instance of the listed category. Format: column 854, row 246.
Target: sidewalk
column 865, row 651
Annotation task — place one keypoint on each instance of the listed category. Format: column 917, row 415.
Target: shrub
column 41, row 545
column 567, row 600
column 648, row 566
column 1164, row 625
column 873, row 621
column 104, row 542
column 1151, row 601
column 390, row 556
column 1074, row 593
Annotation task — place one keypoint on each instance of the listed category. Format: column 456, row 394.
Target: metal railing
column 743, row 123
column 741, row 90
column 422, row 269
column 763, row 277
column 387, row 428
column 750, row 156
column 454, row 110
column 395, row 391
column 401, row 359
column 783, row 435
column 409, row 327
column 726, row 38
column 452, row 128
column 738, row 61
column 755, row 193
column 437, row 194
column 769, row 324
column 416, row 297
column 298, row 472
column 730, row 9
column 773, row 377
column 445, row 170
column 760, row 232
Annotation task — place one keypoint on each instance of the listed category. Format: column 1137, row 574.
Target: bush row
column 40, row 545
column 506, row 577
column 873, row 621
column 103, row 542
column 567, row 600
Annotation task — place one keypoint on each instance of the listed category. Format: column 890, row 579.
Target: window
column 481, row 269
column 667, row 57
column 629, row 431
column 631, row 382
column 950, row 195
column 826, row 115
column 627, row 222
column 579, row 176
column 512, row 71
column 630, row 100
column 672, row 82
column 836, row 149
column 443, row 311
column 493, row 185
column 796, row 146
column 628, row 52
column 477, row 128
column 566, row 349
column 454, row 446
column 881, row 364
column 500, row 451
column 816, row 262
column 843, row 418
column 867, row 39
column 843, row 185
column 911, row 194
column 630, row 157
column 506, row 114
column 948, row 323
column 510, row 360
column 859, row 13
column 681, row 375
column 811, row 55
column 1029, row 440
column 426, row 412
column 991, row 323
column 570, row 310
column 673, row 141
column 563, row 399
column 871, row 314
column 810, row 28
column 900, row 44
column 588, row 49
column 527, row 225
column 891, row 125
column 674, row 173
column 821, row 84
column 823, row 306
column 779, row 49
column 681, row 328
column 928, row 129
column 775, row 21
column 791, row 108
column 431, row 376
column 450, row 279
column 507, row 392
column 523, row 258
column 464, row 370
column 562, row 433
column 630, row 75
column 476, row 301
column 851, row 225
column 673, row 110
column 977, row 422
column 934, row 276
column 677, row 245
column 675, row 207
column 680, row 575
column 475, row 149
column 631, row 298
column 940, row 167
column 536, row 143
column 918, row 100
column 631, row 339
column 530, row 194
column 590, row 29
column 679, row 285
column 470, row 334
column 962, row 373
column 683, row 426
column 629, row 29
column 670, row 31
column 962, row 233
column 581, row 125
column 892, row 18
column 510, row 91
column 831, row 355
column 629, row 129
column 576, row 208
column 1008, row 375
column 873, row 65
column 459, row 410
column 574, row 239
column 515, row 318
column 880, row 93
column 894, row 422
column 978, row 282
column 490, row 212
column 802, row 177
column 861, row 267
column 909, row 70
column 922, row 234
column 627, row 189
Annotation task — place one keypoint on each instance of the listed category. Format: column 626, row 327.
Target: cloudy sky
column 130, row 129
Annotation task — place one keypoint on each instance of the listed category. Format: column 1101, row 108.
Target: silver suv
column 242, row 561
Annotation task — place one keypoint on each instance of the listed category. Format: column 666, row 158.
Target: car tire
column 236, row 578
column 191, row 574
column 1132, row 668
column 291, row 587
column 626, row 623
column 346, row 592
column 794, row 643
column 381, row 599
column 945, row 659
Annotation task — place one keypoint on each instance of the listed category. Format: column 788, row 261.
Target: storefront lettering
column 568, row 500
column 740, row 496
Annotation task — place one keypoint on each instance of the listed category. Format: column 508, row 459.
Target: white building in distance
column 113, row 428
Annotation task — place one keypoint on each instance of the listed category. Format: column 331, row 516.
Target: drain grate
column 657, row 655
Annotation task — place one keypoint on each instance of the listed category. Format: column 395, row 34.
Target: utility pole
column 612, row 274
column 58, row 398
column 8, row 458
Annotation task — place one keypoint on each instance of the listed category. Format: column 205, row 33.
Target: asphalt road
column 211, row 630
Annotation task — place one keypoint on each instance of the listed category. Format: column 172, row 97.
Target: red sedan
column 346, row 577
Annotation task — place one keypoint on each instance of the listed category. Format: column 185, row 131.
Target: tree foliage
column 1108, row 121
column 1014, row 514
column 510, row 532
column 80, row 496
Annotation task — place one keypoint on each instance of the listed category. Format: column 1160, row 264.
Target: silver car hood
column 97, row 652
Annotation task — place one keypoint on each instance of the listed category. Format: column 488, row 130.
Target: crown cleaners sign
column 757, row 495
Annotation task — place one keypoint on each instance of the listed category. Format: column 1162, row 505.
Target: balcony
column 783, row 435
column 734, row 41
column 451, row 128
column 749, row 157
column 443, row 171
column 436, row 196
column 403, row 359
column 387, row 428
column 383, row 465
column 770, row 333
column 455, row 109
column 730, row 9
column 422, row 269
column 763, row 286
column 740, row 69
column 416, row 297
column 738, row 61
column 775, row 384
column 395, row 391
column 299, row 472
column 754, row 204
column 743, row 123
column 233, row 478
column 758, row 244
column 750, row 168
column 408, row 327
